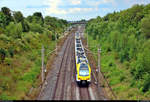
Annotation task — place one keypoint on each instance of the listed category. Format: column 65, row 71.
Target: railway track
column 84, row 93
column 59, row 88
column 61, row 80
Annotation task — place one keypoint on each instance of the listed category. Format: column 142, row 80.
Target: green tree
column 18, row 16
column 36, row 28
column 2, row 55
column 3, row 20
column 29, row 19
column 126, row 35
column 145, row 26
column 38, row 18
column 14, row 30
column 6, row 11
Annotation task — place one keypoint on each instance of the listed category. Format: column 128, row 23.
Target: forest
column 21, row 39
column 124, row 37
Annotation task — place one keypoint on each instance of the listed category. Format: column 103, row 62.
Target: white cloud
column 106, row 1
column 106, row 9
column 132, row 2
column 75, row 2
column 54, row 8
column 55, row 4
column 96, row 3
column 80, row 10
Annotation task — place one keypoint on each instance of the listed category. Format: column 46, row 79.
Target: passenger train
column 83, row 70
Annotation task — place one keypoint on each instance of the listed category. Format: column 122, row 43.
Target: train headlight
column 88, row 79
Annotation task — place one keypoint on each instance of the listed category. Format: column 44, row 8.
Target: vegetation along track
column 92, row 62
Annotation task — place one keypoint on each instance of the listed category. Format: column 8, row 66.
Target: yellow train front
column 83, row 74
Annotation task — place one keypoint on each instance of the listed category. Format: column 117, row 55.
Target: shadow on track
column 83, row 84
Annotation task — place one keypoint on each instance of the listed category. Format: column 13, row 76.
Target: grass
column 17, row 78
column 117, row 74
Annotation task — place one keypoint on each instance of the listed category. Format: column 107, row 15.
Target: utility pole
column 99, row 66
column 87, row 39
column 56, row 41
column 99, row 58
column 42, row 69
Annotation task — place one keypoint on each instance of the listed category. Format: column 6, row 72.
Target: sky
column 71, row 10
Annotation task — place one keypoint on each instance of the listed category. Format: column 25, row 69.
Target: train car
column 83, row 70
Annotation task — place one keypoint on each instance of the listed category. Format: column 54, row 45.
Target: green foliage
column 4, row 96
column 18, row 17
column 52, row 23
column 36, row 18
column 25, row 26
column 126, row 34
column 2, row 54
column 146, row 83
column 4, row 37
column 20, row 52
column 53, row 37
column 1, row 30
column 29, row 19
column 11, row 51
column 36, row 28
column 14, row 30
column 145, row 26
column 142, row 65
column 8, row 61
column 6, row 11
column 3, row 20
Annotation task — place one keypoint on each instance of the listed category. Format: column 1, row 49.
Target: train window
column 77, row 41
column 78, row 45
column 83, row 66
column 80, row 49
column 78, row 38
column 81, row 56
column 78, row 60
column 80, row 52
column 84, row 61
column 83, row 71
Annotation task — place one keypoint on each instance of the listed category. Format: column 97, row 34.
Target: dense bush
column 20, row 50
column 2, row 54
column 145, row 26
column 127, row 34
column 14, row 30
column 36, row 28
column 3, row 20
